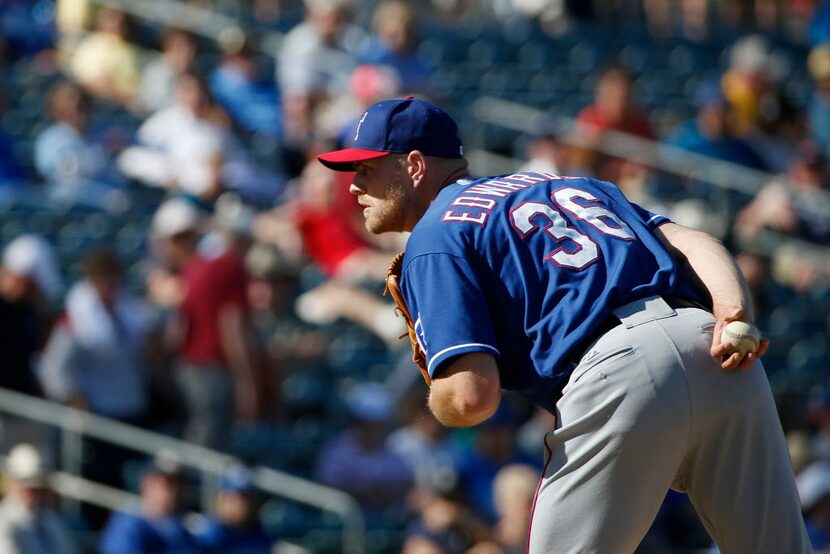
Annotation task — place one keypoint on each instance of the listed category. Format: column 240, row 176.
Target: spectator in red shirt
column 210, row 332
column 328, row 232
column 613, row 109
column 321, row 221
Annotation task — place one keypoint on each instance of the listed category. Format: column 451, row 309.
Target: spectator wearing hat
column 210, row 331
column 358, row 461
column 156, row 524
column 27, row 524
column 709, row 133
column 234, row 527
column 29, row 282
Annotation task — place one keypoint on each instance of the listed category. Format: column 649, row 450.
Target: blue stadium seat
column 354, row 352
column 305, row 391
column 131, row 239
column 584, row 58
column 809, row 356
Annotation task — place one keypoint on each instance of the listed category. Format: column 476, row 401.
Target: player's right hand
column 723, row 352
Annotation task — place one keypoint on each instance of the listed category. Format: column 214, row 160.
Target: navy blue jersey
column 526, row 267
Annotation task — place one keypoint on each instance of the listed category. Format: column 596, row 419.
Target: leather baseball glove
column 393, row 274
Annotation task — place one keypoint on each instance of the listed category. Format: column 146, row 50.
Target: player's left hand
column 724, row 352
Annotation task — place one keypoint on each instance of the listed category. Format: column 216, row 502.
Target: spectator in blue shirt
column 395, row 45
column 234, row 527
column 251, row 101
column 76, row 167
column 493, row 448
column 155, row 525
column 709, row 134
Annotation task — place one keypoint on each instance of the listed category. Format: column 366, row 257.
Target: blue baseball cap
column 398, row 126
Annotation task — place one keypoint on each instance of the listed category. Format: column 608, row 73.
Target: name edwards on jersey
column 473, row 207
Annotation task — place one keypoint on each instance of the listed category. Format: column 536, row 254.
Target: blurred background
column 196, row 355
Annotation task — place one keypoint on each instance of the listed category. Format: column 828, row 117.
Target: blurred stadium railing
column 74, row 425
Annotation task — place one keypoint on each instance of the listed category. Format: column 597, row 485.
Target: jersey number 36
column 583, row 251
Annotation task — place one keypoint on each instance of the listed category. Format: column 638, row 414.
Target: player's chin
column 376, row 225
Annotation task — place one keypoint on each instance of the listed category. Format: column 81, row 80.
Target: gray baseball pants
column 648, row 409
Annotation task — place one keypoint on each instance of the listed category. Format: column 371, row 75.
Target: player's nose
column 355, row 190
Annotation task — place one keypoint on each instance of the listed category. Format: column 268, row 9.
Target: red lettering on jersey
column 474, row 202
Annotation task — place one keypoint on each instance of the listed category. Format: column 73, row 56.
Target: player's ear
column 416, row 166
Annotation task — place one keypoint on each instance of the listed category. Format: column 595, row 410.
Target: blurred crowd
column 174, row 258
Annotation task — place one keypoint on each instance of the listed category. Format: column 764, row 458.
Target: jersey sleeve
column 651, row 219
column 449, row 307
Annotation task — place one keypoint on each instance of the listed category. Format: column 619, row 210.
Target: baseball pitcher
column 595, row 309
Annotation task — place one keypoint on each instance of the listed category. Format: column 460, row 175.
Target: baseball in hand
column 743, row 337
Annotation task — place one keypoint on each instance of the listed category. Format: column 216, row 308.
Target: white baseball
column 743, row 337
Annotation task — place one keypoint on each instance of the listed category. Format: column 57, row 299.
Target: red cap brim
column 344, row 160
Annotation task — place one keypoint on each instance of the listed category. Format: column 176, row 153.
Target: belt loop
column 644, row 310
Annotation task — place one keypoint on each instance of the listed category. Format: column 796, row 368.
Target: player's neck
column 452, row 176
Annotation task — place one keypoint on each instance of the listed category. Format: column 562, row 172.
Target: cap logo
column 359, row 123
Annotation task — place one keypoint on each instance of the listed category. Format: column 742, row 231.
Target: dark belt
column 611, row 321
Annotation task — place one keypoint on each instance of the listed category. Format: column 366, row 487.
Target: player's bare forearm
column 467, row 392
column 711, row 266
column 707, row 262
